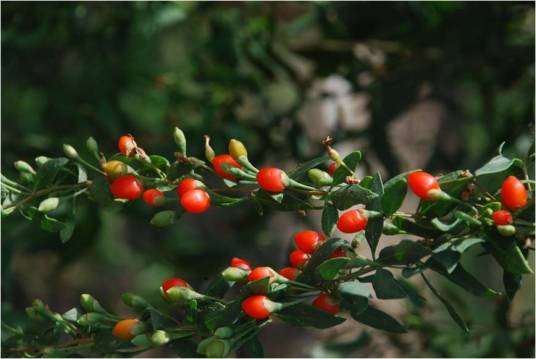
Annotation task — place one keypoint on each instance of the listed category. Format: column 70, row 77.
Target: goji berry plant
column 326, row 283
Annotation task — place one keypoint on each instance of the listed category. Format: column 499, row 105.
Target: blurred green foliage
column 261, row 72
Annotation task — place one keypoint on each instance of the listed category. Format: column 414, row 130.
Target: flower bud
column 506, row 230
column 218, row 348
column 233, row 274
column 41, row 160
column 92, row 147
column 237, row 149
column 182, row 295
column 70, row 151
column 319, row 177
column 90, row 304
column 160, row 337
column 224, row 332
column 180, row 140
column 209, row 151
column 437, row 195
column 134, row 301
column 48, row 204
column 24, row 167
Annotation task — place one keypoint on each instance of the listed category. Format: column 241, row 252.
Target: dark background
column 412, row 85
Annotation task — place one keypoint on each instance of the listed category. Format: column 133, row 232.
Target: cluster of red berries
column 514, row 197
column 192, row 195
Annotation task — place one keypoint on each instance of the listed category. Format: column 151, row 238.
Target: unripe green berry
column 209, row 151
column 24, row 167
column 180, row 140
column 506, row 230
column 182, row 295
column 224, row 332
column 163, row 218
column 160, row 337
column 202, row 346
column 218, row 348
column 90, row 304
column 48, row 204
column 390, row 229
column 70, row 151
column 233, row 274
column 134, row 301
column 319, row 178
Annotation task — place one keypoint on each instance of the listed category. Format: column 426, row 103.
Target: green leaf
column 46, row 174
column 375, row 225
column 354, row 289
column 462, row 278
column 160, row 162
column 454, row 227
column 341, row 173
column 405, row 252
column 67, row 231
column 223, row 317
column 386, row 286
column 252, row 349
column 302, row 169
column 448, row 259
column 50, row 224
column 224, row 201
column 71, row 315
column 380, row 320
column 492, row 174
column 512, row 283
column 322, row 253
column 99, row 191
column 347, row 348
column 218, row 287
column 82, row 173
column 330, row 216
column 351, row 195
column 413, row 293
column 394, row 193
column 454, row 315
column 304, row 315
column 330, row 268
column 507, row 253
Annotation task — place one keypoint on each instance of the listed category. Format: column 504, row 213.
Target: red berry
column 188, row 184
column 174, row 282
column 502, row 217
column 337, row 253
column 421, row 183
column 290, row 273
column 272, row 179
column 195, row 201
column 332, row 167
column 126, row 144
column 126, row 187
column 261, row 273
column 217, row 163
column 298, row 258
column 513, row 193
column 327, row 303
column 352, row 221
column 308, row 241
column 256, row 306
column 240, row 263
column 153, row 197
